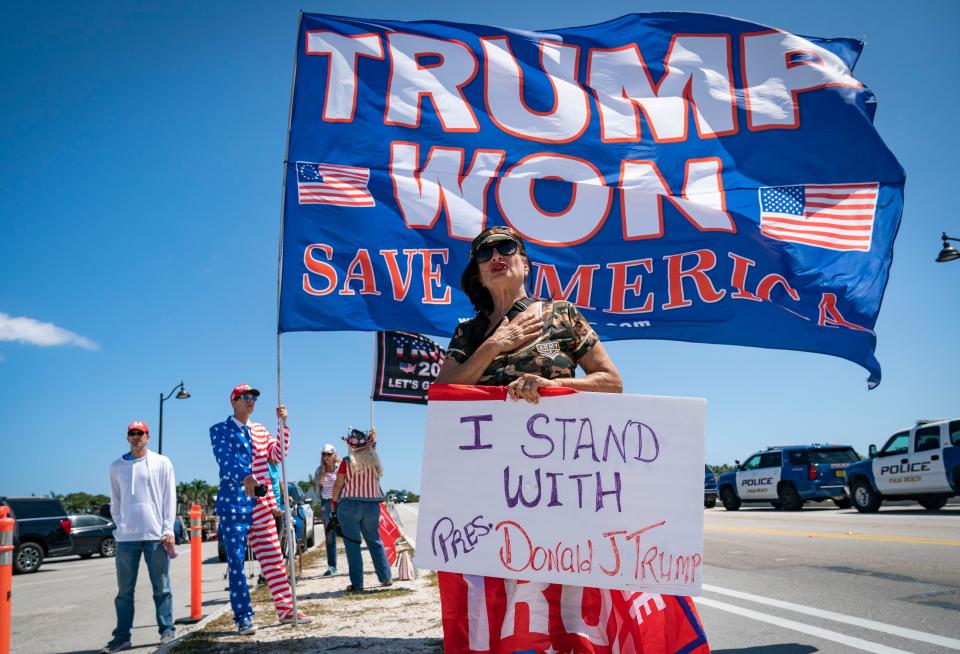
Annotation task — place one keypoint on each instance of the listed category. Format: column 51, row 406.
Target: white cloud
column 34, row 332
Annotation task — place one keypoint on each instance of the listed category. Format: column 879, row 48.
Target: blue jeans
column 361, row 518
column 128, row 565
column 331, row 534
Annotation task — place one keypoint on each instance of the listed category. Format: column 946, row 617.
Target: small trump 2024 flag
column 832, row 216
column 319, row 183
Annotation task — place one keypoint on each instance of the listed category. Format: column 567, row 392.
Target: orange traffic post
column 196, row 572
column 6, row 577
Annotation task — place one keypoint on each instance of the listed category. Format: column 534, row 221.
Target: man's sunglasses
column 247, row 398
column 505, row 248
column 136, row 432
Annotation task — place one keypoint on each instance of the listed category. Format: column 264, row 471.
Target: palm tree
column 183, row 494
column 199, row 492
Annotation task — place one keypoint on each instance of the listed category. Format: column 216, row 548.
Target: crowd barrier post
column 196, row 566
column 6, row 577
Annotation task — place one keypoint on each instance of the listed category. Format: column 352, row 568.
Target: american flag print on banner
column 405, row 366
column 832, row 216
column 319, row 183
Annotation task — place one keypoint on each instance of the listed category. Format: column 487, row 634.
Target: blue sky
column 140, row 173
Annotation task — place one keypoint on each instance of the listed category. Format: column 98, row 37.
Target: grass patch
column 261, row 594
column 222, row 623
column 315, row 554
column 378, row 594
column 432, row 579
column 196, row 643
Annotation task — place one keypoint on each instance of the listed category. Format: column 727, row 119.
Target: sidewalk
column 402, row 619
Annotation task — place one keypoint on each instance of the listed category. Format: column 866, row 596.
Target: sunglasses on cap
column 135, row 432
column 247, row 398
column 485, row 253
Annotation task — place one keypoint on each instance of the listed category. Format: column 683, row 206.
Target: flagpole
column 284, row 443
column 373, row 385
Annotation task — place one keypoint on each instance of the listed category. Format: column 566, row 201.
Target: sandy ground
column 404, row 618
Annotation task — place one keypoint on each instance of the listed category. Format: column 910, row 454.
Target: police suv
column 922, row 464
column 788, row 476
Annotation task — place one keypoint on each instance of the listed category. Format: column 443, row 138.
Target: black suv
column 92, row 534
column 41, row 529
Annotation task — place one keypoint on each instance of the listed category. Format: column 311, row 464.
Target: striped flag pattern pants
column 266, row 547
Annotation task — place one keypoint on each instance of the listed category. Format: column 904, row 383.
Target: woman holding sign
column 525, row 345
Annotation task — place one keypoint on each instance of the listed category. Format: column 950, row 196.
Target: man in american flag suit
column 245, row 504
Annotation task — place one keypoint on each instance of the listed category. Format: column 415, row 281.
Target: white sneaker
column 167, row 638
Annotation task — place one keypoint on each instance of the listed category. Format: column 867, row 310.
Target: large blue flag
column 677, row 176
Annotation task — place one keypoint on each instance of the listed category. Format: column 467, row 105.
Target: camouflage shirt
column 565, row 339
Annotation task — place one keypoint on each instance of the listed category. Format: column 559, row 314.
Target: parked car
column 709, row 487
column 41, row 529
column 303, row 523
column 92, row 534
column 788, row 476
column 921, row 463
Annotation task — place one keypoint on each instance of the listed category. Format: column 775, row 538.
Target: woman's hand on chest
column 511, row 335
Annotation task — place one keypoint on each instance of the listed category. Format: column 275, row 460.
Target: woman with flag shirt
column 324, row 479
column 356, row 505
column 526, row 345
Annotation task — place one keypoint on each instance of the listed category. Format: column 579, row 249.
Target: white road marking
column 27, row 584
column 902, row 632
column 826, row 634
column 53, row 609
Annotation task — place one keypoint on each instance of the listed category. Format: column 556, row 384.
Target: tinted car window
column 294, row 492
column 30, row 508
column 955, row 432
column 896, row 445
column 927, row 438
column 752, row 463
column 834, row 455
column 770, row 460
column 84, row 521
column 799, row 457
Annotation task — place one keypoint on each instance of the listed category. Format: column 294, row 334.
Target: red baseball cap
column 240, row 389
column 138, row 424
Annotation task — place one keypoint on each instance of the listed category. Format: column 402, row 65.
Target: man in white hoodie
column 143, row 503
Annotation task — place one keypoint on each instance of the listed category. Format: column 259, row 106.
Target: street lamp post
column 948, row 253
column 182, row 395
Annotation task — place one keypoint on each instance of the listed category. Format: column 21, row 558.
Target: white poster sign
column 586, row 489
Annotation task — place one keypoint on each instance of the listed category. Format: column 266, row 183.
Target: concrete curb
column 190, row 629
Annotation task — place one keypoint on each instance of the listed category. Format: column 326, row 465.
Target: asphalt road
column 775, row 582
column 826, row 580
column 67, row 605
